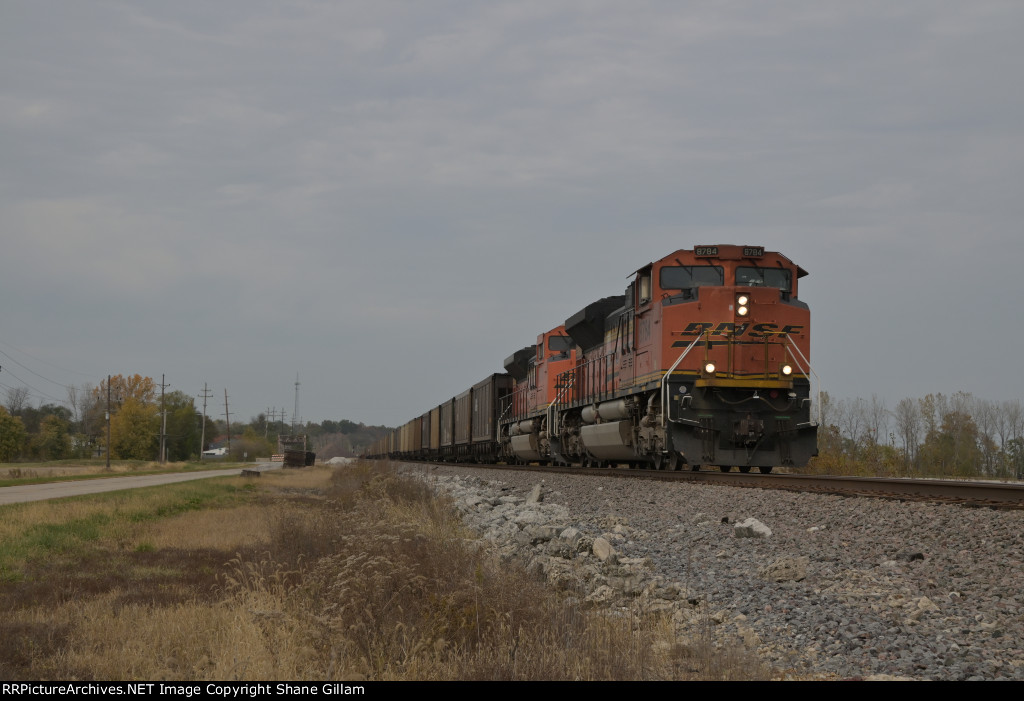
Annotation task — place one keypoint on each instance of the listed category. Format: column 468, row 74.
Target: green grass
column 60, row 527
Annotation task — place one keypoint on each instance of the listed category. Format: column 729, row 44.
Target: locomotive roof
column 725, row 252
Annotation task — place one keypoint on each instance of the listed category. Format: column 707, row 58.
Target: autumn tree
column 142, row 389
column 33, row 417
column 12, row 436
column 183, row 426
column 134, row 430
column 52, row 442
column 134, row 424
column 952, row 448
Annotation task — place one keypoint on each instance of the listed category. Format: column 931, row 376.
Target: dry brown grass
column 227, row 530
column 352, row 574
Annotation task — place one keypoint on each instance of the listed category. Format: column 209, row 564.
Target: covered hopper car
column 703, row 361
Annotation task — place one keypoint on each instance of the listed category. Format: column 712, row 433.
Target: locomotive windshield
column 749, row 276
column 559, row 343
column 686, row 276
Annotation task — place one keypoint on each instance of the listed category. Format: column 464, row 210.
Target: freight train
column 703, row 361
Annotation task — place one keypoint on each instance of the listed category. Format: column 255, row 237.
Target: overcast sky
column 389, row 198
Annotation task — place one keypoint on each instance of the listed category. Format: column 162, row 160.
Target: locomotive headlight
column 742, row 311
column 710, row 368
column 742, row 305
column 787, row 369
column 743, row 300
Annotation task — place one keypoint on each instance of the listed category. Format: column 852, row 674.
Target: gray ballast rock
column 851, row 587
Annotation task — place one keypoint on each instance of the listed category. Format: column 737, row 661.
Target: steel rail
column 1000, row 495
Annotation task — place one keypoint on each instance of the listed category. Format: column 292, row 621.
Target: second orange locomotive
column 703, row 361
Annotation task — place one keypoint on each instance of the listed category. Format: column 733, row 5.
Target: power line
column 29, row 396
column 36, row 389
column 45, row 362
column 25, row 367
column 40, row 360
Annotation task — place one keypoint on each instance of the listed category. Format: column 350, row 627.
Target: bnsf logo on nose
column 750, row 330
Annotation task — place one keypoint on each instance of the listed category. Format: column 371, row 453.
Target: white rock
column 751, row 528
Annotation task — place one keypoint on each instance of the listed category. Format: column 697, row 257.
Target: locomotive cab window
column 643, row 287
column 750, row 276
column 559, row 347
column 685, row 277
column 557, row 344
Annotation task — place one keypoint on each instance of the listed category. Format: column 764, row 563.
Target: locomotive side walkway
column 58, row 490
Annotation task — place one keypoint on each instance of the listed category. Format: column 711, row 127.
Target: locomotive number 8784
column 705, row 360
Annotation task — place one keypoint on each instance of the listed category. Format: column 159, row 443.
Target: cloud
column 367, row 188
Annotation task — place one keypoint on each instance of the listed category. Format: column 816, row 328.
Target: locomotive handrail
column 664, row 385
column 497, row 424
column 570, row 376
column 807, row 363
column 591, row 378
column 552, row 413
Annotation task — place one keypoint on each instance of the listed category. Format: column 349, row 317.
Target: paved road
column 56, row 490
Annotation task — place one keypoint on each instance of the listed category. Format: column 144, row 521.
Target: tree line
column 936, row 435
column 77, row 428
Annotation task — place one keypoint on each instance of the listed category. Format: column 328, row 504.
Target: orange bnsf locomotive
column 703, row 361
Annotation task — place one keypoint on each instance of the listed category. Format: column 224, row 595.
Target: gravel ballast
column 815, row 584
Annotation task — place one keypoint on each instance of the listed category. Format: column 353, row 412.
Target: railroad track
column 997, row 495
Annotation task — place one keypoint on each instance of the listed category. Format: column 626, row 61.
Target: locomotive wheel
column 658, row 461
column 765, row 470
column 744, row 469
column 725, row 468
column 694, row 468
column 675, row 461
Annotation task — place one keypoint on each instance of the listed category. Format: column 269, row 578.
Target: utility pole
column 108, row 423
column 202, row 439
column 295, row 414
column 227, row 419
column 163, row 422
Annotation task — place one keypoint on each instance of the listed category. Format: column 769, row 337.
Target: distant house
column 215, row 453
